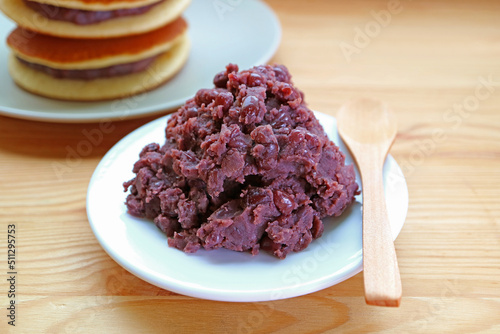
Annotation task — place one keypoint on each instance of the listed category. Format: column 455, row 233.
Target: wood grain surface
column 436, row 63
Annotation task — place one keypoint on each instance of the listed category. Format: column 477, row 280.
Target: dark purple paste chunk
column 245, row 166
column 84, row 17
column 96, row 73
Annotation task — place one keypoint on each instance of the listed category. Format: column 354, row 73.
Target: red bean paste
column 84, row 17
column 245, row 166
column 94, row 73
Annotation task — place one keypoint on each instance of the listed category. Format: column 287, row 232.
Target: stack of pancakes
column 90, row 50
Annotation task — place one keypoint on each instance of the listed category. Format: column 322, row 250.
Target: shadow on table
column 59, row 140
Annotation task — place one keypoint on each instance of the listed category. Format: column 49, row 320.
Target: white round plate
column 246, row 33
column 141, row 248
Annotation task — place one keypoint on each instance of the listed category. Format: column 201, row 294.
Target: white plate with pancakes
column 246, row 33
column 141, row 248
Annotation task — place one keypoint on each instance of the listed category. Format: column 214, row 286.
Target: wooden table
column 437, row 63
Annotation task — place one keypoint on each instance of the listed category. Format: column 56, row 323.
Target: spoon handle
column 380, row 266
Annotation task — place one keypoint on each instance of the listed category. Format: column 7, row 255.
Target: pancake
column 165, row 66
column 67, row 53
column 159, row 15
column 97, row 4
column 85, row 17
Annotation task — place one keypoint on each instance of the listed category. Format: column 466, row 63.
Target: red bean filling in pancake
column 84, row 17
column 91, row 74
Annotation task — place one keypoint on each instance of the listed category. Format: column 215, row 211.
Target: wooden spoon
column 368, row 129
